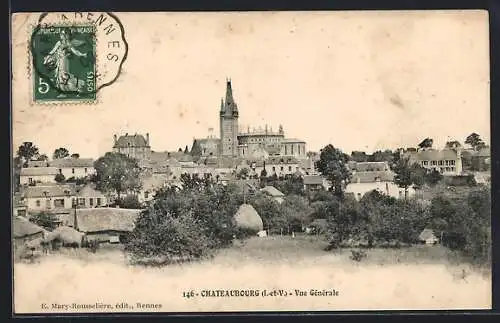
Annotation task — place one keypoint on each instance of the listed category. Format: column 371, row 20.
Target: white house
column 73, row 167
column 369, row 176
column 49, row 197
column 33, row 175
column 445, row 161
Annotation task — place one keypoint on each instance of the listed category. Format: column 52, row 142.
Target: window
column 30, row 180
column 440, row 163
column 274, row 169
column 21, row 212
column 98, row 201
column 72, row 170
column 146, row 194
column 81, row 201
column 289, row 168
column 85, row 170
column 281, row 168
column 73, row 201
column 37, row 203
column 91, row 201
column 59, row 203
column 425, row 163
column 433, row 163
column 47, row 204
column 452, row 162
column 452, row 169
column 60, row 171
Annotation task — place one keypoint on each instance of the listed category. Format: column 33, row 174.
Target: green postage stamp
column 65, row 65
column 74, row 55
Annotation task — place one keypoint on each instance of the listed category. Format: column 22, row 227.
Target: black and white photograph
column 251, row 161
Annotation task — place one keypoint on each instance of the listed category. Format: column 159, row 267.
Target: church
column 249, row 144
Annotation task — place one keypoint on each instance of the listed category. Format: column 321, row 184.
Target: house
column 274, row 165
column 150, row 185
column 313, row 183
column 34, row 175
column 89, row 197
column 274, row 193
column 74, row 167
column 24, row 231
column 428, row 237
column 133, row 146
column 49, row 197
column 103, row 224
column 445, row 161
column 369, row 176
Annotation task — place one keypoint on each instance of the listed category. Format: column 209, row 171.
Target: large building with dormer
column 249, row 143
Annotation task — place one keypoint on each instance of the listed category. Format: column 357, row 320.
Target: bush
column 129, row 202
column 358, row 255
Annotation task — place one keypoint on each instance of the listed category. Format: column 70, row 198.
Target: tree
column 130, row 202
column 381, row 156
column 27, row 151
column 426, row 143
column 296, row 211
column 359, row 156
column 59, row 178
column 332, row 164
column 60, row 153
column 180, row 150
column 475, row 141
column 403, row 177
column 42, row 157
column 453, row 144
column 45, row 220
column 75, row 155
column 117, row 172
column 243, row 173
column 186, row 150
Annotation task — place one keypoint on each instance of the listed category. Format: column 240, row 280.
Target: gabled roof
column 56, row 190
column 24, row 228
column 433, row 154
column 313, row 180
column 39, row 171
column 131, row 141
column 72, row 162
column 272, row 191
column 371, row 177
column 104, row 219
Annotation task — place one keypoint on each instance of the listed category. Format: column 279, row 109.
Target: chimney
column 126, row 134
column 115, row 137
column 147, row 138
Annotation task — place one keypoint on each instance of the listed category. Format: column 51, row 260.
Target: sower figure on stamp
column 59, row 58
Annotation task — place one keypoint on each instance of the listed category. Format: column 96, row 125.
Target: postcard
column 250, row 161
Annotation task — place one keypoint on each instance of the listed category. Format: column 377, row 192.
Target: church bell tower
column 229, row 124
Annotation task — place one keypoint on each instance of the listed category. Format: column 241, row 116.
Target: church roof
column 131, row 141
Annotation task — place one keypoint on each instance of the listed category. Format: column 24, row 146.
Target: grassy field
column 420, row 277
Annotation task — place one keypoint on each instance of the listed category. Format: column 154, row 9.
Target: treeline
column 460, row 221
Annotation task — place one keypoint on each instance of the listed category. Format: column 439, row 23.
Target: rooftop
column 56, row 190
column 272, row 191
column 372, row 177
column 131, row 141
column 104, row 219
column 313, row 180
column 24, row 228
column 72, row 162
column 39, row 171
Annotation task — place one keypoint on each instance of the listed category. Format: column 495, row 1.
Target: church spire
column 230, row 106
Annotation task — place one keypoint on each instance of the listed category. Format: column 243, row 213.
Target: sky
column 356, row 80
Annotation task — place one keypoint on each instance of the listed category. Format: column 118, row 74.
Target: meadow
column 420, row 277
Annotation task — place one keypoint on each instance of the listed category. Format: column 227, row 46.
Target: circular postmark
column 75, row 54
